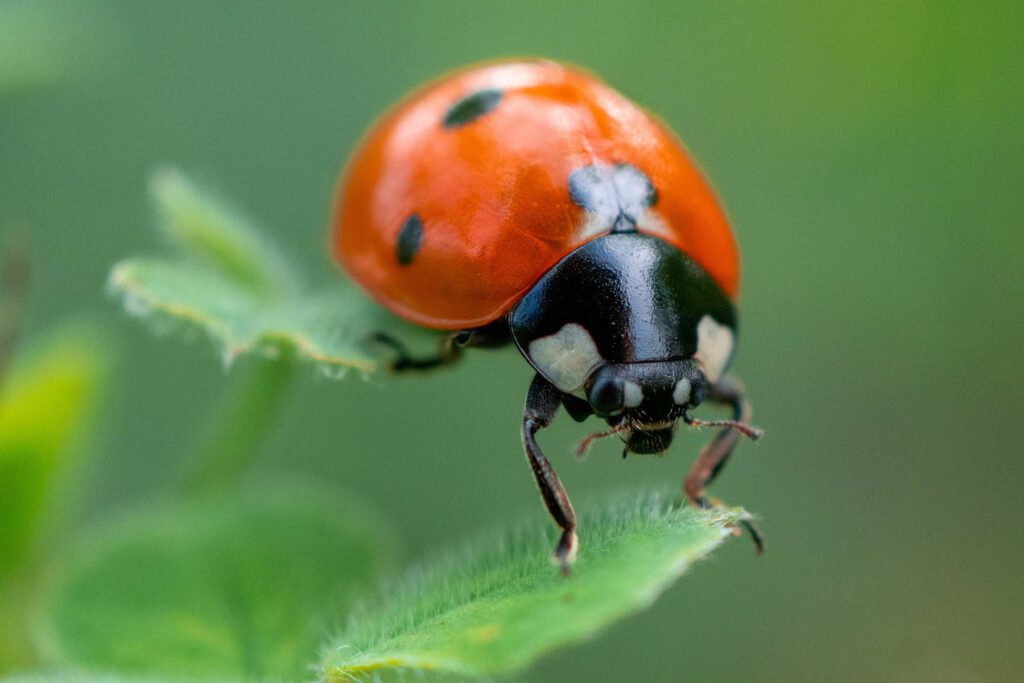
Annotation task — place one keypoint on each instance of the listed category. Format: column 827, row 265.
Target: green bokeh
column 870, row 155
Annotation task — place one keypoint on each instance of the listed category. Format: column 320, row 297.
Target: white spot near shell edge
column 632, row 394
column 567, row 357
column 681, row 392
column 715, row 343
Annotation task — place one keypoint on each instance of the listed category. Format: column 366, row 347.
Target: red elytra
column 491, row 192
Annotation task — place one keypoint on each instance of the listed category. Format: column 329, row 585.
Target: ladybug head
column 628, row 323
column 646, row 400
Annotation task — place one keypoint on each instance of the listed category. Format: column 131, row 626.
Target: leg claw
column 565, row 551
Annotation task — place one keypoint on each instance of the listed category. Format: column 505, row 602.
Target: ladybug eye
column 698, row 392
column 607, row 395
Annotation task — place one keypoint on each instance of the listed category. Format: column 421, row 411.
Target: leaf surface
column 243, row 584
column 499, row 608
column 232, row 282
column 45, row 404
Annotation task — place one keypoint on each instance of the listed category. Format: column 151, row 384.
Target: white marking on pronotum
column 567, row 357
column 632, row 394
column 681, row 393
column 714, row 347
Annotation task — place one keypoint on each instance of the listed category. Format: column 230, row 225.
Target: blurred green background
column 871, row 156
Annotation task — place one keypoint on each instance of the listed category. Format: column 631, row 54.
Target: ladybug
column 528, row 202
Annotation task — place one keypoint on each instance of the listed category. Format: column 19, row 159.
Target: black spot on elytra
column 471, row 107
column 619, row 194
column 410, row 238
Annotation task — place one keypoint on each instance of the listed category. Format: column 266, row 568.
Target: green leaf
column 239, row 585
column 216, row 235
column 93, row 677
column 497, row 610
column 43, row 43
column 45, row 405
column 233, row 283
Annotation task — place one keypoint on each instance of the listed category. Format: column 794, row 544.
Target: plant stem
column 247, row 417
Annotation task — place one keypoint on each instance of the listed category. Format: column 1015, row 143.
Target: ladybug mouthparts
column 643, row 402
column 646, row 442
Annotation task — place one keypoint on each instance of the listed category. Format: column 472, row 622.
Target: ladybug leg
column 451, row 346
column 542, row 403
column 728, row 391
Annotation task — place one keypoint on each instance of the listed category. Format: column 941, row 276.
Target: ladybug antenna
column 751, row 432
column 583, row 446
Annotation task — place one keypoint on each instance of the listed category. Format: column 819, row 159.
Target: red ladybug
column 529, row 202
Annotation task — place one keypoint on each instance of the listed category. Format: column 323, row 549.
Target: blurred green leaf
column 44, row 405
column 238, row 585
column 93, row 677
column 217, row 236
column 41, row 43
column 498, row 609
column 234, row 284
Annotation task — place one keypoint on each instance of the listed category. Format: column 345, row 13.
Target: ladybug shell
column 459, row 200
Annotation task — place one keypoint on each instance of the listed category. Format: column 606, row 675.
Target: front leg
column 542, row 404
column 728, row 391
